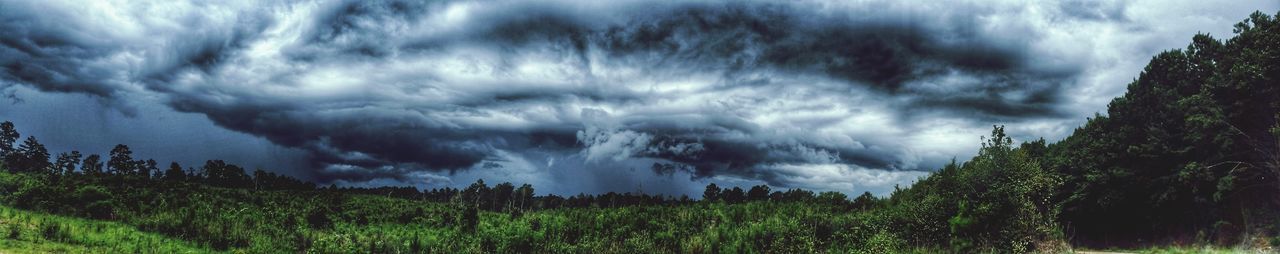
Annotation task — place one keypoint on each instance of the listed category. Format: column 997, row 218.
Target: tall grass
column 25, row 231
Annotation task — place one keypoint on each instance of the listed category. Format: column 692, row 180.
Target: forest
column 1187, row 159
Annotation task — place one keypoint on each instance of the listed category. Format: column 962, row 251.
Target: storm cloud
column 826, row 95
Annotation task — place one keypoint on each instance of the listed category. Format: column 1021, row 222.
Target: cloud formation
column 828, row 95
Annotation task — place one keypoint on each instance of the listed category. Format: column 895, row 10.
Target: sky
column 660, row 97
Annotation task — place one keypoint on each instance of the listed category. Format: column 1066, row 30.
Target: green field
column 222, row 219
column 389, row 225
column 29, row 232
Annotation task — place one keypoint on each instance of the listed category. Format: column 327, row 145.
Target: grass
column 1191, row 249
column 1178, row 250
column 29, row 232
column 170, row 217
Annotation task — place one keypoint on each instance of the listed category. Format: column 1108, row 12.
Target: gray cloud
column 821, row 95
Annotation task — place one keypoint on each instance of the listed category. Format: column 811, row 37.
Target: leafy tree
column 1180, row 152
column 832, row 197
column 121, row 161
column 758, row 193
column 712, row 193
column 174, row 173
column 797, row 195
column 1002, row 183
column 221, row 174
column 92, row 165
column 272, row 181
column 735, row 195
column 864, row 201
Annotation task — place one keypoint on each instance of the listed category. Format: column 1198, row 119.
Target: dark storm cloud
column 730, row 39
column 52, row 59
column 797, row 94
column 363, row 137
column 882, row 52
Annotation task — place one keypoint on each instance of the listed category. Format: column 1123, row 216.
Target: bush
column 98, row 201
column 319, row 219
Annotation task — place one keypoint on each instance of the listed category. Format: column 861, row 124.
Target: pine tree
column 8, row 136
column 32, row 156
column 121, row 162
column 66, row 163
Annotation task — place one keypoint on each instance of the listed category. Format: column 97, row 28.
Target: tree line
column 1190, row 154
column 33, row 157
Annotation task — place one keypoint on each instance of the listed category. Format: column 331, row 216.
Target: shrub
column 319, row 219
column 98, row 200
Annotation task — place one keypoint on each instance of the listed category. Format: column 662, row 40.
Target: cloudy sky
column 578, row 96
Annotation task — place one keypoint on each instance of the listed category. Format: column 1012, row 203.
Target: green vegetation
column 1188, row 155
column 1187, row 161
column 330, row 220
column 22, row 232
